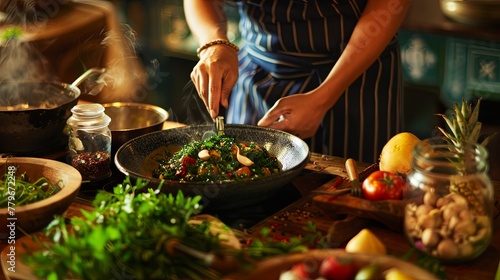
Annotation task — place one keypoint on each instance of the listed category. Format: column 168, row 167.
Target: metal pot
column 130, row 120
column 137, row 159
column 475, row 12
column 33, row 114
column 23, row 7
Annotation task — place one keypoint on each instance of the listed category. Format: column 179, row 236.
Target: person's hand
column 299, row 114
column 215, row 75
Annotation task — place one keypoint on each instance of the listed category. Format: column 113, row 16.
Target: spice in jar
column 90, row 141
column 92, row 165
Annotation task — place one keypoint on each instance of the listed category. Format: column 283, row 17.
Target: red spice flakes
column 337, row 182
column 92, row 166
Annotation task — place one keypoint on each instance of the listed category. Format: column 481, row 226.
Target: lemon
column 397, row 274
column 396, row 154
column 366, row 242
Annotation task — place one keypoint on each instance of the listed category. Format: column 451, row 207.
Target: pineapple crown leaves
column 464, row 125
column 11, row 33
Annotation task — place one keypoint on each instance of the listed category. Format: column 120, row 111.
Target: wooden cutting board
column 388, row 212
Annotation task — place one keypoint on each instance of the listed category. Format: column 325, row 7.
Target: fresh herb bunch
column 426, row 262
column 268, row 246
column 127, row 235
column 25, row 192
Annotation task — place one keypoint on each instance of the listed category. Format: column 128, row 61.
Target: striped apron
column 290, row 47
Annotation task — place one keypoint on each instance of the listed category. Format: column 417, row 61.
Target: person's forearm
column 377, row 26
column 206, row 19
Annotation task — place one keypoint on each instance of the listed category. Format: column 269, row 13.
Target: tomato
column 188, row 161
column 302, row 271
column 381, row 185
column 338, row 268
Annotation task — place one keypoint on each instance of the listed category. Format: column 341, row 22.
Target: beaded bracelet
column 216, row 42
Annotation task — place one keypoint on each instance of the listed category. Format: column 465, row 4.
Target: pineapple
column 465, row 128
column 464, row 125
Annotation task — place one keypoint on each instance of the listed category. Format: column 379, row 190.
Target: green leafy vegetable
column 268, row 246
column 497, row 275
column 426, row 262
column 19, row 191
column 128, row 233
column 11, row 33
column 221, row 163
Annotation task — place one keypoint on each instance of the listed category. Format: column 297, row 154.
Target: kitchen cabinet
column 462, row 60
column 461, row 67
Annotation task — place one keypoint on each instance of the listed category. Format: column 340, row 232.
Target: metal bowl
column 130, row 120
column 35, row 216
column 476, row 12
column 136, row 159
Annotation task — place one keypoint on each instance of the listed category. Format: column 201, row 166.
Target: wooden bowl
column 272, row 268
column 35, row 216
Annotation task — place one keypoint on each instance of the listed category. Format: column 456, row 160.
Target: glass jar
column 449, row 200
column 90, row 141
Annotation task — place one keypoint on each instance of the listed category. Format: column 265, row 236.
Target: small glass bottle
column 449, row 200
column 90, row 141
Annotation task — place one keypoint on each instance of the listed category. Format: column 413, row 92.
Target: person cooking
column 342, row 56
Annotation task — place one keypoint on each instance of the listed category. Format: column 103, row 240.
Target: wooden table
column 291, row 219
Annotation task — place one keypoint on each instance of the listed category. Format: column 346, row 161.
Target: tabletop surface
column 324, row 172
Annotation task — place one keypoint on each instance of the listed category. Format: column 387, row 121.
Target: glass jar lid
column 88, row 116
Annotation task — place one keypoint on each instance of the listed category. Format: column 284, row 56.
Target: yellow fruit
column 397, row 274
column 396, row 155
column 366, row 242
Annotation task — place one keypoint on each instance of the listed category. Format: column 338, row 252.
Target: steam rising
column 20, row 63
column 125, row 77
column 197, row 112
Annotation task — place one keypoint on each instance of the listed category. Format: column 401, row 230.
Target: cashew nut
column 447, row 249
column 430, row 198
column 431, row 220
column 481, row 235
column 430, row 237
column 242, row 159
column 203, row 154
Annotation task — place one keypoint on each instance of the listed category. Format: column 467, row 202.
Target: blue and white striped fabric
column 290, row 47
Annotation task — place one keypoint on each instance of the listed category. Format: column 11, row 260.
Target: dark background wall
column 442, row 64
